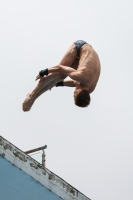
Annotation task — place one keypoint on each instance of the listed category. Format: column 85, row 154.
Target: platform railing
column 43, row 153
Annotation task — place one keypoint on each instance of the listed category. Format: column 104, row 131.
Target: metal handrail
column 43, row 153
column 37, row 149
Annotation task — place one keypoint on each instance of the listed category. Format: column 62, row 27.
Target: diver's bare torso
column 89, row 65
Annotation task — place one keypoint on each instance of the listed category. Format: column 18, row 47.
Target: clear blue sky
column 90, row 148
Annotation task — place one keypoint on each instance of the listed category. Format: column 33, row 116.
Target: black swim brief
column 79, row 44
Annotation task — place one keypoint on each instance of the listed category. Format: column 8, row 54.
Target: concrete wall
column 17, row 185
column 41, row 174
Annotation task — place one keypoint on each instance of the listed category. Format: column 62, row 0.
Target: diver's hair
column 82, row 99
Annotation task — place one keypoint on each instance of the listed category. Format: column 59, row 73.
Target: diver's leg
column 55, row 81
column 52, row 79
column 43, row 85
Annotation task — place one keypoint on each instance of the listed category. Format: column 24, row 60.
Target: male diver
column 81, row 63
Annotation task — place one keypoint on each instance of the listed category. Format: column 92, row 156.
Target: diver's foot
column 28, row 102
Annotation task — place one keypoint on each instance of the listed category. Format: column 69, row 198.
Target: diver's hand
column 38, row 77
column 76, row 83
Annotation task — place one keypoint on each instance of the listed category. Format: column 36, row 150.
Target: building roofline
column 41, row 174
